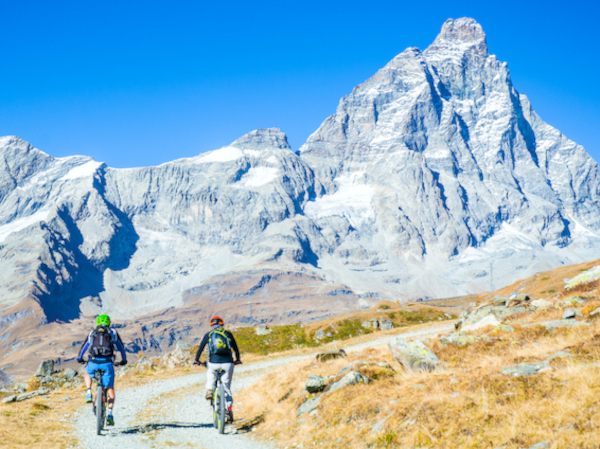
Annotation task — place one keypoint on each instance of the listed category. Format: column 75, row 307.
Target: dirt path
column 173, row 412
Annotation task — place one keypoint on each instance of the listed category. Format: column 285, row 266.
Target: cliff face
column 434, row 178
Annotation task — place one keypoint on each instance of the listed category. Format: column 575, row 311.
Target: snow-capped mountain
column 433, row 178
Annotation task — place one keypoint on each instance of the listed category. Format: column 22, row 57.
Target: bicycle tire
column 99, row 410
column 215, row 407
column 222, row 409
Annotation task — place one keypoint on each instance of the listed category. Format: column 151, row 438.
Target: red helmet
column 216, row 320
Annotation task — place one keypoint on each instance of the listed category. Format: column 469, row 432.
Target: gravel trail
column 174, row 413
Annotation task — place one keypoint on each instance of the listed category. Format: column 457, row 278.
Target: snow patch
column 21, row 223
column 224, row 154
column 351, row 200
column 82, row 171
column 258, row 176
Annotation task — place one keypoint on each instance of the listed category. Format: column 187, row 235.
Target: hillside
column 530, row 380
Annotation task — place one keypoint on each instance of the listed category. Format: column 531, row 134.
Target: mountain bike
column 218, row 401
column 101, row 403
column 99, row 406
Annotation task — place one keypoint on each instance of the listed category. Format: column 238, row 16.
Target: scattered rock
column 542, row 445
column 182, row 345
column 414, row 355
column 45, row 369
column 366, row 324
column 498, row 312
column 571, row 301
column 330, row 355
column 374, row 323
column 352, row 378
column 32, row 394
column 540, row 303
column 595, row 311
column 525, row 369
column 571, row 314
column 459, row 339
column 590, row 275
column 308, row 406
column 531, row 369
column 489, row 320
column 378, row 427
column 503, row 328
column 554, row 324
column 385, row 324
column 262, row 329
column 316, row 384
column 520, row 297
column 501, row 300
column 69, row 374
column 320, row 334
column 9, row 399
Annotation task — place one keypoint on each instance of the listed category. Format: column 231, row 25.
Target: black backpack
column 102, row 342
column 218, row 342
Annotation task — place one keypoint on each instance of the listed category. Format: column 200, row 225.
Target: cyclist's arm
column 201, row 347
column 235, row 347
column 84, row 347
column 121, row 347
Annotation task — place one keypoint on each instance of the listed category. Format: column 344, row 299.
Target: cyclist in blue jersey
column 101, row 343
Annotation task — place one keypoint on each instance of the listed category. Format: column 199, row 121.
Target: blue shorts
column 108, row 378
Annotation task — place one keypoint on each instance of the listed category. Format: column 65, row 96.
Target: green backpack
column 218, row 342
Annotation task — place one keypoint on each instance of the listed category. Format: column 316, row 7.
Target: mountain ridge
column 433, row 178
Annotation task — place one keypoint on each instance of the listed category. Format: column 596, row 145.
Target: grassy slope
column 517, row 411
column 468, row 404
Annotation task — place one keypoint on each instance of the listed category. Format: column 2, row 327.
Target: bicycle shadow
column 162, row 426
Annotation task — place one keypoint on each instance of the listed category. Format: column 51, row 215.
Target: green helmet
column 103, row 320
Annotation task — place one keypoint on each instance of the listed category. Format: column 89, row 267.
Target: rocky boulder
column 352, row 378
column 45, row 369
column 308, row 406
column 262, row 329
column 414, row 355
column 316, row 384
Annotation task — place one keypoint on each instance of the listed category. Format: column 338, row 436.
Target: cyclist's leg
column 210, row 377
column 226, row 379
column 87, row 377
column 108, row 380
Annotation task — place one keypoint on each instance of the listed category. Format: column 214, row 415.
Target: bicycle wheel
column 222, row 409
column 99, row 410
column 215, row 407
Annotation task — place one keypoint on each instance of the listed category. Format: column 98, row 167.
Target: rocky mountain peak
column 463, row 34
column 263, row 138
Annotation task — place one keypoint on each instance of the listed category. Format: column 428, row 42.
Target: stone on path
column 45, row 369
column 414, row 355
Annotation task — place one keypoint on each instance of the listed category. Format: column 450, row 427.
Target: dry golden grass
column 469, row 404
column 42, row 422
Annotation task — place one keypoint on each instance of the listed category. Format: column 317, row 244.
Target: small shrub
column 545, row 278
column 384, row 307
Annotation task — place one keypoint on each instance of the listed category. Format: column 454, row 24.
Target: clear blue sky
column 144, row 82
